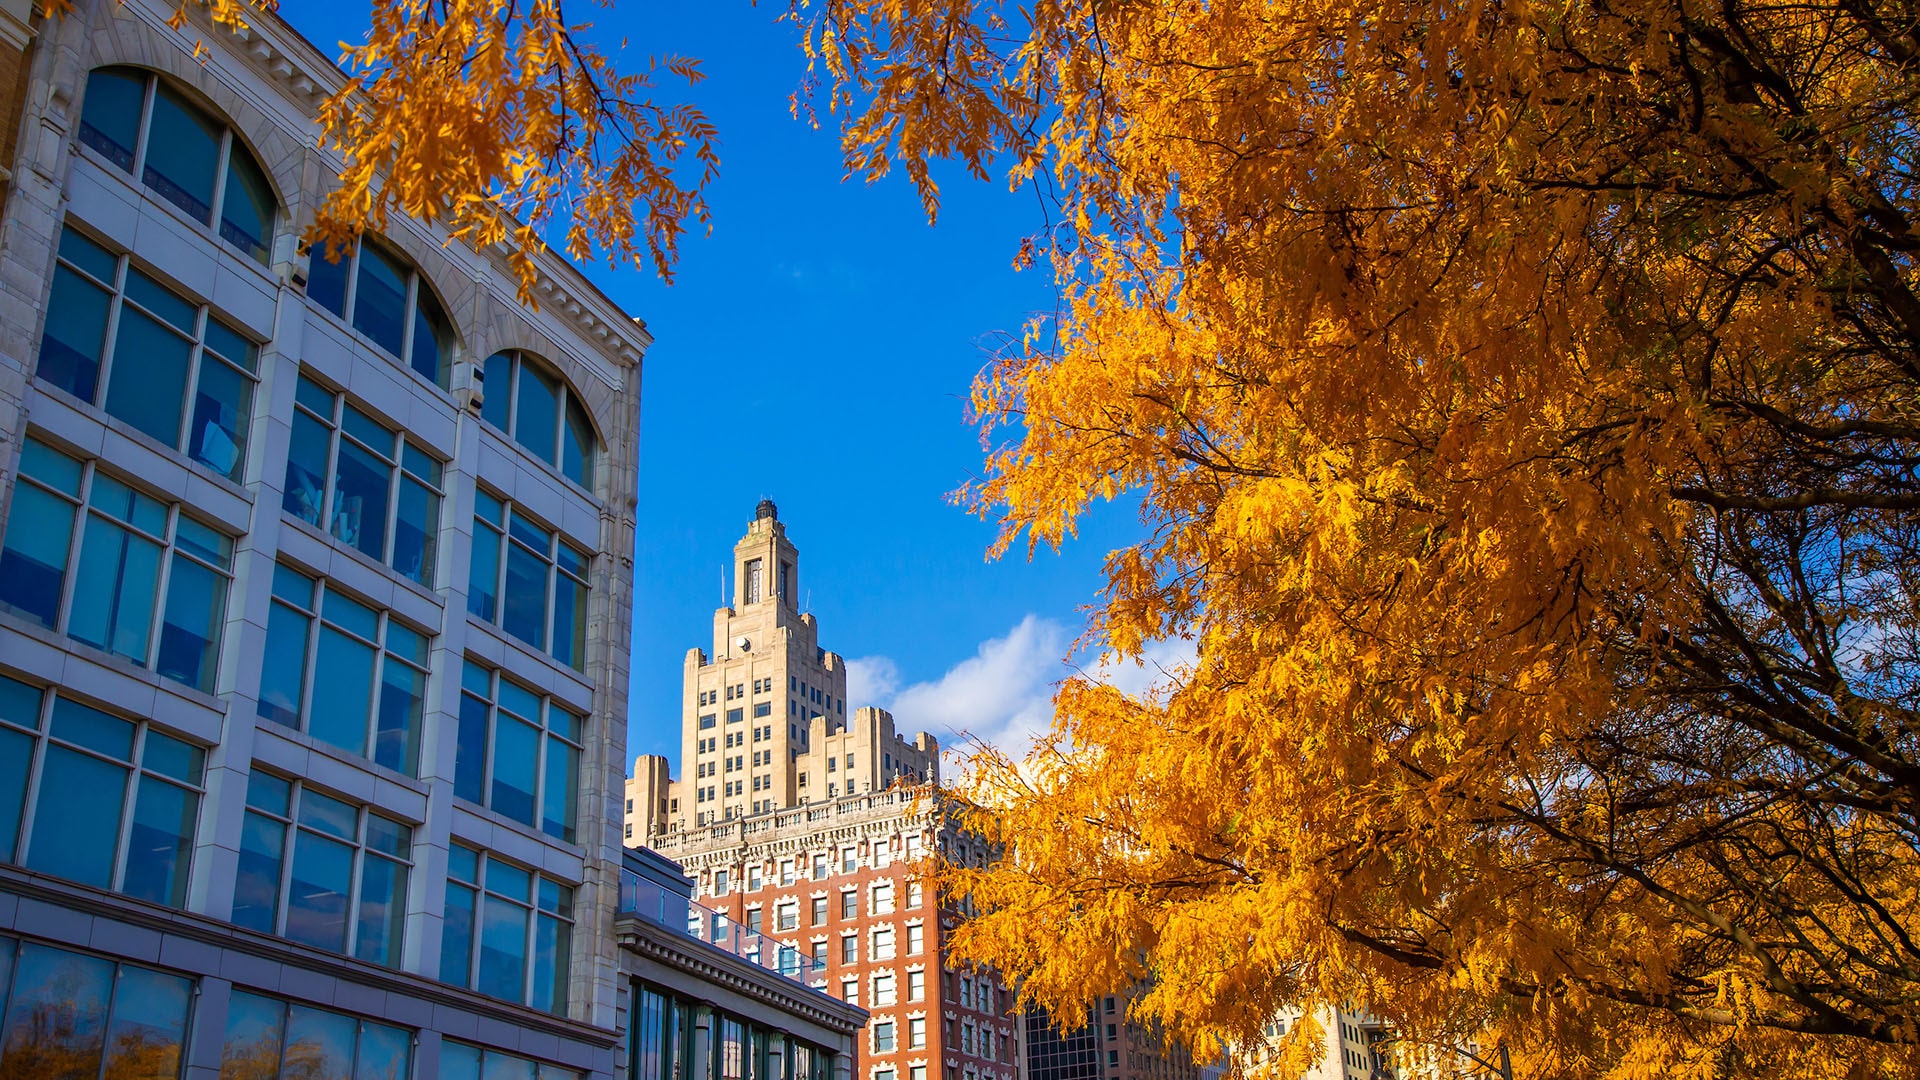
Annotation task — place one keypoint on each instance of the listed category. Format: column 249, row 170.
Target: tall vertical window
column 322, row 871
column 541, row 413
column 383, row 297
column 351, row 676
column 115, row 568
column 753, row 575
column 508, row 932
column 271, row 1039
column 164, row 365
column 518, row 752
column 93, row 798
column 69, row 1014
column 365, row 483
column 529, row 581
column 182, row 153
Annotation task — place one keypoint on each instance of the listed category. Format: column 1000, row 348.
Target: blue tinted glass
column 328, row 814
column 110, row 119
column 463, row 863
column 536, row 412
column 503, row 950
column 222, row 407
column 380, row 300
column 317, row 893
column 557, row 811
column 284, row 668
column 570, row 623
column 50, row 467
column 470, row 754
column 351, row 615
column 327, row 277
column 246, row 214
column 458, row 1061
column 360, row 483
column 76, row 330
column 321, row 1041
column 256, row 887
column 147, row 390
column 403, row 693
column 516, row 759
column 305, row 494
column 190, row 632
column 497, row 404
column 16, row 753
column 342, row 699
column 430, row 338
column 576, row 448
column 33, row 563
column 268, row 792
column 232, row 344
column 160, row 842
column 525, row 531
column 173, row 757
column 113, row 594
column 56, row 1021
column 552, row 949
column 509, row 880
column 161, row 301
column 292, row 586
column 183, row 152
column 415, row 531
column 83, row 725
column 525, row 607
column 483, row 575
column 251, row 1048
column 149, row 1024
column 520, row 701
column 383, row 908
column 456, row 939
column 385, row 1052
column 76, row 824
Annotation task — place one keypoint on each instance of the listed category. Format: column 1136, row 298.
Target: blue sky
column 828, row 321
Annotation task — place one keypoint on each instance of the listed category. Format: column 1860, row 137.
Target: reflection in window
column 73, row 1015
column 351, row 676
column 123, row 539
column 528, row 581
column 301, row 852
column 91, row 767
column 183, row 155
column 364, row 482
column 508, row 932
column 381, row 296
column 459, row 1061
column 525, row 400
column 271, row 1039
column 518, row 752
column 174, row 372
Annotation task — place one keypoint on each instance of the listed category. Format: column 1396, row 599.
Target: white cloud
column 1003, row 694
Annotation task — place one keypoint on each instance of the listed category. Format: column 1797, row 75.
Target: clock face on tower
column 744, row 644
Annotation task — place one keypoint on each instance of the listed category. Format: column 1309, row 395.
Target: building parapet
column 797, row 822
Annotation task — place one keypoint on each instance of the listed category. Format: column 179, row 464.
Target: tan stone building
column 764, row 719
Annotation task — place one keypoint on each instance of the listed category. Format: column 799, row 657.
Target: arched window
column 528, row 401
column 186, row 156
column 381, row 295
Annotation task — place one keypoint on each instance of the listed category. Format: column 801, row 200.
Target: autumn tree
column 1521, row 405
column 1520, row 401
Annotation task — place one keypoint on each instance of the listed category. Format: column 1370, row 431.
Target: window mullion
column 369, row 726
column 353, row 882
column 34, row 776
column 143, row 139
column 486, row 771
column 196, row 356
column 157, row 620
column 111, row 335
column 284, row 899
column 353, row 283
column 406, row 321
column 328, row 493
column 310, row 659
column 74, row 540
column 124, row 838
column 396, row 477
column 222, row 162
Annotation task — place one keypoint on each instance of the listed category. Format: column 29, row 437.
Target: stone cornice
column 704, row 962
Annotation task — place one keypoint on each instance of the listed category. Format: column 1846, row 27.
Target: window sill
column 214, row 704
column 578, row 678
column 365, row 344
column 345, row 757
column 340, row 547
column 234, row 257
column 526, row 457
column 499, row 820
column 146, row 442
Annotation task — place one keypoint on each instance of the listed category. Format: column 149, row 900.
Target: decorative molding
column 712, row 965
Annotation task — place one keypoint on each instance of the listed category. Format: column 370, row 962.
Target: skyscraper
column 809, row 820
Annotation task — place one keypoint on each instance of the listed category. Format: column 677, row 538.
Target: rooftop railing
column 657, row 904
